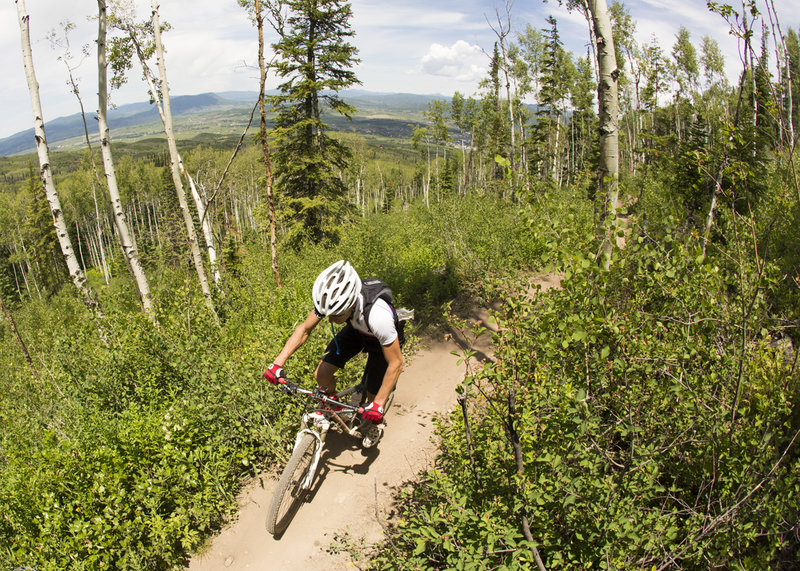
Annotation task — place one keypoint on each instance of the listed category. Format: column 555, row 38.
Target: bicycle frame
column 318, row 422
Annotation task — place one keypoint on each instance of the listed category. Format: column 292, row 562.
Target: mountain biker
column 371, row 325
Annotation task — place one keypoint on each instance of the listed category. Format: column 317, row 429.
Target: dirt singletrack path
column 354, row 487
column 353, row 493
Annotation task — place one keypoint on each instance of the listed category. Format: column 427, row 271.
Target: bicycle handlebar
column 290, row 388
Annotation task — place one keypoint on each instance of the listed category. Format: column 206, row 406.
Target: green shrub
column 657, row 426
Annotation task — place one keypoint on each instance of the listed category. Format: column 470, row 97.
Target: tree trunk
column 12, row 324
column 175, row 162
column 205, row 223
column 96, row 178
column 608, row 100
column 16, row 278
column 28, row 265
column 783, row 61
column 126, row 238
column 273, row 240
column 502, row 32
column 75, row 272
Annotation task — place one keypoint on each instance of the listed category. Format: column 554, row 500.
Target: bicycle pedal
column 373, row 435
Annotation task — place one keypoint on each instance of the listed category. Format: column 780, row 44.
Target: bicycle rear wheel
column 289, row 494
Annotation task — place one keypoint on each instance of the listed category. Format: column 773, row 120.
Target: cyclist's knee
column 325, row 375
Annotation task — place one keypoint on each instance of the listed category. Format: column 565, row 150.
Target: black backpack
column 374, row 289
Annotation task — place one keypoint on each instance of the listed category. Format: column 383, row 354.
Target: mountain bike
column 344, row 414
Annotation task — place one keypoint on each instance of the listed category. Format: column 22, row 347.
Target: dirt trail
column 354, row 489
column 355, row 486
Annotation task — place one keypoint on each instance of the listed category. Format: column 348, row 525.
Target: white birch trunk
column 16, row 280
column 174, row 162
column 90, row 242
column 556, row 160
column 608, row 101
column 76, row 274
column 22, row 269
column 126, row 238
column 80, row 248
column 156, row 204
column 205, row 223
column 427, row 188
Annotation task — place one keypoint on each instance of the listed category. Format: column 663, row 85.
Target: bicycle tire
column 288, row 494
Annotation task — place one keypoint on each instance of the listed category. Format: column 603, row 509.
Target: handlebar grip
column 285, row 386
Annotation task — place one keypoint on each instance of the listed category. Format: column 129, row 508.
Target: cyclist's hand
column 274, row 373
column 373, row 413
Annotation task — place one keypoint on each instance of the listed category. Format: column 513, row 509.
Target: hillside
column 223, row 113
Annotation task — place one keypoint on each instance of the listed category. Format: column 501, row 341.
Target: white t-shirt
column 381, row 321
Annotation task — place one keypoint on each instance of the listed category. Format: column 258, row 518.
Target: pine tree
column 557, row 78
column 314, row 62
column 493, row 115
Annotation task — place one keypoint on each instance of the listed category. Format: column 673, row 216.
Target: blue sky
column 412, row 46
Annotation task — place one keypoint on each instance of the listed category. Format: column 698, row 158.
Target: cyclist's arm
column 297, row 338
column 395, row 360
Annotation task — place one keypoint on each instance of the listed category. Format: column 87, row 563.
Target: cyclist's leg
column 341, row 349
column 325, row 376
column 374, row 371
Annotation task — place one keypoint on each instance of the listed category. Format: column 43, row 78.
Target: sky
column 406, row 46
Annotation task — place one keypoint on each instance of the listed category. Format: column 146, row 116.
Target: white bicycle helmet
column 336, row 289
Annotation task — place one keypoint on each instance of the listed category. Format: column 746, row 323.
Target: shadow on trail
column 336, row 444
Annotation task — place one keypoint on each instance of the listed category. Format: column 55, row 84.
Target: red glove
column 274, row 373
column 373, row 413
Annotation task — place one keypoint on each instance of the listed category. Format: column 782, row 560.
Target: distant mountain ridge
column 225, row 112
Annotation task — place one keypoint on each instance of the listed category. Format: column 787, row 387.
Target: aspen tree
column 597, row 15
column 67, row 59
column 176, row 163
column 160, row 95
column 502, row 31
column 76, row 274
column 608, row 98
column 126, row 237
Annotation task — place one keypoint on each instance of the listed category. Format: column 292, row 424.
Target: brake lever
column 289, row 388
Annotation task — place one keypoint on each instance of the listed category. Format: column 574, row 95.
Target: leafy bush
column 130, row 450
column 657, row 426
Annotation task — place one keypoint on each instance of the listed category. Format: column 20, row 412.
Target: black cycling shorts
column 348, row 343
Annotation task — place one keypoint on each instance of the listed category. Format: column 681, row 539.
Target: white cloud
column 461, row 61
column 413, row 16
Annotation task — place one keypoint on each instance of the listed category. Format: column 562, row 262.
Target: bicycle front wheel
column 289, row 493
